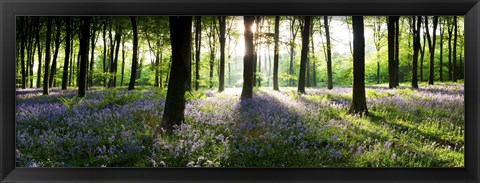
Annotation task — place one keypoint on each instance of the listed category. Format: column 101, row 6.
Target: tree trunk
column 180, row 35
column 422, row 56
column 247, row 89
column 329, row 54
column 123, row 62
column 133, row 74
column 454, row 67
column 22, row 51
column 82, row 83
column 47, row 55
column 304, row 54
column 39, row 71
column 359, row 102
column 442, row 28
column 275, row 54
column 67, row 53
column 118, row 39
column 450, row 31
column 431, row 46
column 104, row 51
column 198, row 42
column 53, row 70
column 397, row 51
column 221, row 77
column 391, row 52
column 92, row 55
column 416, row 49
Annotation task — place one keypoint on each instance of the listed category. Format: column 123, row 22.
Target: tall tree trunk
column 275, row 53
column 92, row 55
column 359, row 102
column 442, row 28
column 180, row 35
column 85, row 37
column 39, row 72
column 416, row 48
column 47, row 55
column 247, row 89
column 118, row 39
column 112, row 56
column 454, row 67
column 198, row 38
column 304, row 54
column 22, row 51
column 391, row 51
column 104, row 51
column 123, row 62
column 431, row 46
column 293, row 34
column 221, row 77
column 450, row 31
column 53, row 70
column 67, row 53
column 133, row 75
column 397, row 51
column 329, row 54
column 422, row 56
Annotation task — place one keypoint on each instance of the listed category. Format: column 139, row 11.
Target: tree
column 359, row 102
column 198, row 42
column 450, row 31
column 68, row 29
column 293, row 34
column 22, row 51
column 454, row 66
column 431, row 46
column 378, row 34
column 275, row 53
column 442, row 29
column 85, row 37
column 47, row 55
column 304, row 52
column 180, row 35
column 133, row 75
column 53, row 70
column 247, row 89
column 329, row 54
column 391, row 51
column 39, row 48
column 221, row 77
column 416, row 48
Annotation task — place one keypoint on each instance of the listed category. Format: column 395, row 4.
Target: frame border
column 11, row 8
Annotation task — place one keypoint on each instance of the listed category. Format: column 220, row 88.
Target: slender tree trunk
column 67, row 53
column 22, row 51
column 450, row 31
column 53, row 70
column 275, row 54
column 293, row 34
column 198, row 38
column 454, row 67
column 85, row 37
column 359, row 102
column 431, row 46
column 123, row 62
column 247, row 89
column 422, row 56
column 442, row 28
column 104, row 51
column 180, row 35
column 391, row 51
column 304, row 54
column 92, row 56
column 222, row 24
column 397, row 51
column 47, row 55
column 39, row 71
column 118, row 39
column 133, row 75
column 329, row 54
column 416, row 48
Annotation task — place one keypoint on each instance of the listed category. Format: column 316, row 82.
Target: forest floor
column 119, row 128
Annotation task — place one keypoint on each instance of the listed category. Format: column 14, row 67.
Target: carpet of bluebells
column 119, row 128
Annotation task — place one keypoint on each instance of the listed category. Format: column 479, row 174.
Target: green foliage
column 70, row 102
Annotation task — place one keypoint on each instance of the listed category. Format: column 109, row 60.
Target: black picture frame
column 11, row 8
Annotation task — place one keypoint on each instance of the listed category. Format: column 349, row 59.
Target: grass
column 118, row 128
